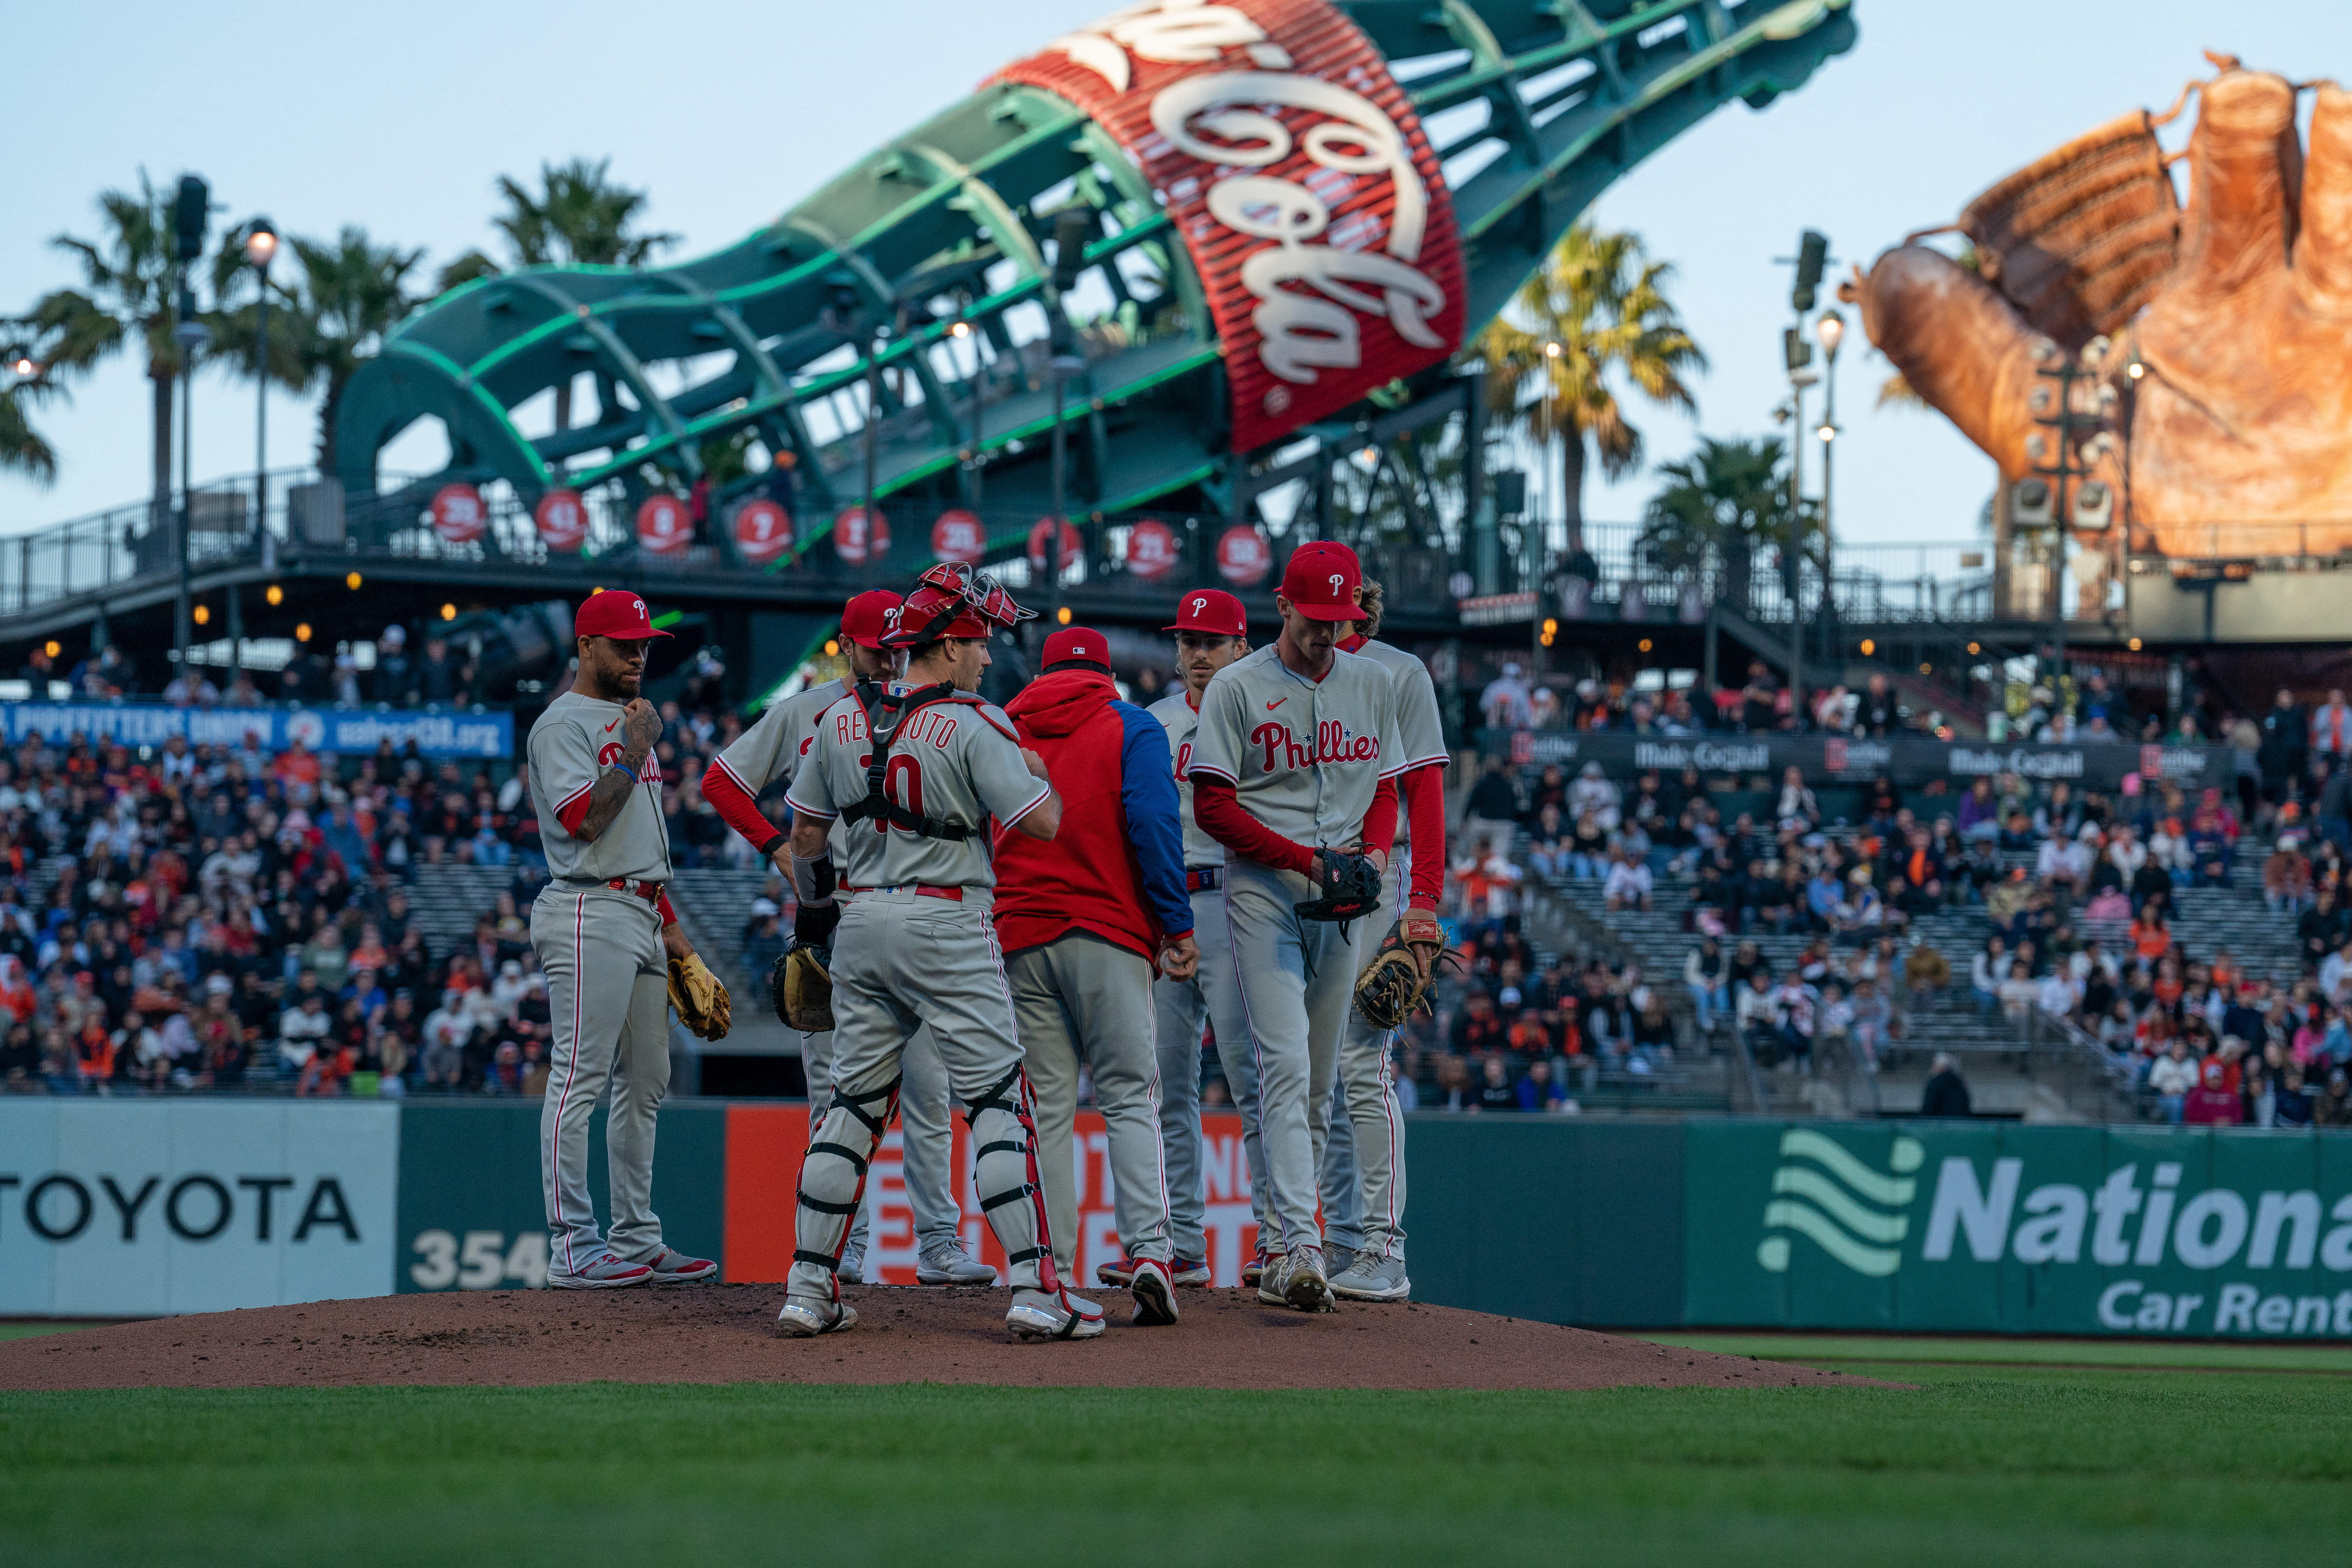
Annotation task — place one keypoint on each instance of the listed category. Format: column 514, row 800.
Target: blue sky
column 400, row 120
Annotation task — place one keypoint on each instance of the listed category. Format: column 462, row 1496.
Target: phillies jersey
column 958, row 762
column 570, row 748
column 772, row 748
column 1181, row 719
column 1421, row 731
column 1306, row 757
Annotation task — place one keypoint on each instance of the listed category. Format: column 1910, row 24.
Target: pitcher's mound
column 727, row 1333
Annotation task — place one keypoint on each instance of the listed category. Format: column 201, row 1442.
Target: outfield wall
column 137, row 1207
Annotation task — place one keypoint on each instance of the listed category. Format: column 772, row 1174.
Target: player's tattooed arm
column 641, row 727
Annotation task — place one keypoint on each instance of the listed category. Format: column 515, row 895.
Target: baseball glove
column 702, row 1002
column 1351, row 888
column 801, row 986
column 1394, row 984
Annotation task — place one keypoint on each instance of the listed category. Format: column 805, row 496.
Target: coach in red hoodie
column 1084, row 920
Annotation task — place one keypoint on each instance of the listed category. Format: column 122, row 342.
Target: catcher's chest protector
column 887, row 716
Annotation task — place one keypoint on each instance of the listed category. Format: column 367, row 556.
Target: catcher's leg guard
column 1004, row 1171
column 833, row 1183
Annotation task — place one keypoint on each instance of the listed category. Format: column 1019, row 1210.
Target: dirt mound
column 727, row 1333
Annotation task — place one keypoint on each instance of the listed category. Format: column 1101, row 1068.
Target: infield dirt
column 727, row 1333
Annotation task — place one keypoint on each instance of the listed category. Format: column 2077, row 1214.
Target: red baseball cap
column 1321, row 580
column 1212, row 611
column 616, row 613
column 867, row 618
column 1080, row 646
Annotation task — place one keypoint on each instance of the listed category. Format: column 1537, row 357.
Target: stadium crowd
column 227, row 917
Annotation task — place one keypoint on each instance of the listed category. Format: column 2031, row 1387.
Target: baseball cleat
column 949, row 1264
column 602, row 1272
column 672, row 1267
column 805, row 1317
column 1373, row 1278
column 1296, row 1281
column 1117, row 1274
column 1190, row 1270
column 1155, row 1294
column 852, row 1267
column 1053, row 1315
column 1254, row 1271
column 1337, row 1258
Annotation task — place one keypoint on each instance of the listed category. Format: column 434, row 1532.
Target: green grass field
column 1978, row 1465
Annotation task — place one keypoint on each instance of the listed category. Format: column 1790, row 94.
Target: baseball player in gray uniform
column 1212, row 631
column 605, row 932
column 1363, row 1160
column 916, row 771
column 1293, row 768
column 769, row 752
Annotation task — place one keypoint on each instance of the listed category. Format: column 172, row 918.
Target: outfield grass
column 1976, row 1465
column 1848, row 1353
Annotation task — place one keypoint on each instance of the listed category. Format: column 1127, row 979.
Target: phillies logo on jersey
column 1332, row 744
column 1184, row 760
column 611, row 752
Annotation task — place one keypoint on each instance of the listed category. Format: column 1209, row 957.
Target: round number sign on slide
column 763, row 531
column 664, row 527
column 1151, row 549
column 959, row 535
column 563, row 519
column 458, row 515
column 858, row 539
column 1244, row 556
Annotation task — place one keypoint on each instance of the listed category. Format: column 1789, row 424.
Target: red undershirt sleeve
column 736, row 806
column 1379, row 831
column 661, row 901
column 1424, row 797
column 1218, row 809
column 572, row 813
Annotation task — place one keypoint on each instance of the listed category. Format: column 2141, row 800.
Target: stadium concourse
column 182, row 919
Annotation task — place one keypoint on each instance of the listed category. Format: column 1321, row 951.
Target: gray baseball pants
column 926, row 1137
column 1081, row 999
column 1212, row 994
column 1364, row 1158
column 1297, row 980
column 901, row 960
column 608, row 1004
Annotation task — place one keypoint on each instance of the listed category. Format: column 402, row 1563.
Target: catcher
column 613, row 952
column 1293, row 772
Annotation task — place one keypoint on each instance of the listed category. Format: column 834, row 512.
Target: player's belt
column 920, row 889
column 636, row 886
column 1204, row 878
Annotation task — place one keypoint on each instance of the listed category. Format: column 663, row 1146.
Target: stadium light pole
column 260, row 250
column 1070, row 229
column 190, row 214
column 1830, row 331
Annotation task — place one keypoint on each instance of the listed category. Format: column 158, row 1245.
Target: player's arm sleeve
column 661, row 901
column 1219, row 810
column 1380, row 822
column 563, row 765
column 1008, row 791
column 731, row 783
column 1425, row 804
column 1146, row 794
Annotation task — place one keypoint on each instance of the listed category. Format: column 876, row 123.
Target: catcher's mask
column 952, row 600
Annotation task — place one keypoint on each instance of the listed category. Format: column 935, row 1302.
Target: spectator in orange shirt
column 297, row 767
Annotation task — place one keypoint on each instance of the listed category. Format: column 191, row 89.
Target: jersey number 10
column 902, row 782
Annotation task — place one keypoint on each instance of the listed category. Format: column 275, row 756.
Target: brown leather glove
column 2236, row 439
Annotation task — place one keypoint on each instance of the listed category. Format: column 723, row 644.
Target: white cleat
column 949, row 1264
column 1053, row 1315
column 805, row 1317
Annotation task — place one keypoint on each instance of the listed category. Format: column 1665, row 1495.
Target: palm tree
column 22, row 448
column 1601, row 303
column 344, row 296
column 127, row 285
column 1729, row 500
column 577, row 218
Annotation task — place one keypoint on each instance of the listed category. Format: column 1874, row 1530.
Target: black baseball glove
column 1350, row 889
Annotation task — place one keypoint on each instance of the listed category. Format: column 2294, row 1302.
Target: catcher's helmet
column 951, row 600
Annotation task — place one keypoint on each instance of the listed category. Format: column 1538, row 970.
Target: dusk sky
column 400, row 121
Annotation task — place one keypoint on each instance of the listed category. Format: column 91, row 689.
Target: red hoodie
column 1116, row 869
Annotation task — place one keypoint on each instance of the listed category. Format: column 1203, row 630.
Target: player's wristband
column 768, row 850
column 624, row 768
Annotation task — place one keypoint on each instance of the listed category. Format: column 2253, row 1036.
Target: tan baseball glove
column 702, row 1002
column 1398, row 979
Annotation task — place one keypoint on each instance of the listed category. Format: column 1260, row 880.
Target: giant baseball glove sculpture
column 2234, row 435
